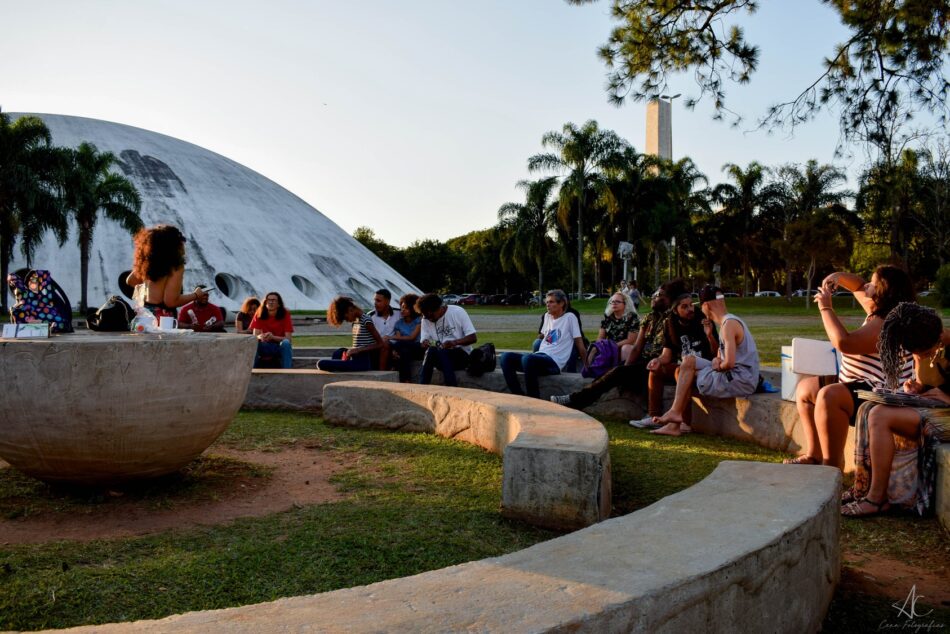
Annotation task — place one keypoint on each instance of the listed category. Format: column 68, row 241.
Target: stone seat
column 300, row 389
column 556, row 465
column 748, row 549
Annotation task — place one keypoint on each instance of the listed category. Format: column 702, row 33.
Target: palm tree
column 28, row 204
column 688, row 199
column 88, row 187
column 583, row 153
column 805, row 192
column 743, row 205
column 530, row 223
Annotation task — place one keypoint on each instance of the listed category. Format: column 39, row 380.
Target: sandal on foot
column 806, row 459
column 847, row 496
column 853, row 509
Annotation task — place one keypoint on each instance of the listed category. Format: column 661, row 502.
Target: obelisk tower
column 659, row 129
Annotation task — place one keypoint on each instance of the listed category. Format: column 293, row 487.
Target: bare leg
column 833, row 410
column 805, row 395
column 625, row 351
column 883, row 423
column 684, row 391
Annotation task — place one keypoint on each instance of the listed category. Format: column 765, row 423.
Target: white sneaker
column 561, row 399
column 645, row 423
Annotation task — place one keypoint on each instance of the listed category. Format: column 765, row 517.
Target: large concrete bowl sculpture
column 105, row 408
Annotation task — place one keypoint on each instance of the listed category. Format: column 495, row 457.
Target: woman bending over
column 366, row 338
column 885, row 473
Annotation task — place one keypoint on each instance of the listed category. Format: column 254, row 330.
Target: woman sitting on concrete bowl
column 827, row 405
column 903, row 473
column 159, row 264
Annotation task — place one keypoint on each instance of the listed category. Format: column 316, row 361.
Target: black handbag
column 481, row 360
column 113, row 316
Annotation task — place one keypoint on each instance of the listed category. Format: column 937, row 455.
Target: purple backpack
column 602, row 356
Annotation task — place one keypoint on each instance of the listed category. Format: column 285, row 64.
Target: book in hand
column 901, row 399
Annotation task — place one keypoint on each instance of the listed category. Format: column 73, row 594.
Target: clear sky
column 415, row 118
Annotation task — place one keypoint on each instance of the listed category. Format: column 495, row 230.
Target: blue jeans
column 534, row 365
column 359, row 363
column 446, row 360
column 571, row 366
column 267, row 350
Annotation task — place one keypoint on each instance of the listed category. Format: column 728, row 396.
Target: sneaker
column 645, row 423
column 561, row 399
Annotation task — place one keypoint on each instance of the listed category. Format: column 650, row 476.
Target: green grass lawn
column 416, row 502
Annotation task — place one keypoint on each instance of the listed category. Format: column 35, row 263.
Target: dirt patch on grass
column 250, row 484
column 877, row 575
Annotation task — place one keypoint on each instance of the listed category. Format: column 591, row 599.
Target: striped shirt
column 866, row 368
column 361, row 334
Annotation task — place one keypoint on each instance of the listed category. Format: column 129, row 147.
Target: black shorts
column 853, row 388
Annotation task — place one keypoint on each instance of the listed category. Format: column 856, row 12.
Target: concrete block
column 556, row 465
column 762, row 419
column 98, row 408
column 943, row 485
column 748, row 549
column 300, row 389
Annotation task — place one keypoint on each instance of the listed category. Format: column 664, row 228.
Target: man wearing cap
column 733, row 372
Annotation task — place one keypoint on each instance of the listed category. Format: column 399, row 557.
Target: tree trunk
column 6, row 249
column 809, row 276
column 540, row 276
column 85, row 240
column 580, row 248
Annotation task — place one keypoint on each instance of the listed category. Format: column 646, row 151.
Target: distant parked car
column 496, row 299
column 802, row 293
column 725, row 295
column 768, row 294
column 468, row 300
column 515, row 299
column 926, row 293
column 451, row 298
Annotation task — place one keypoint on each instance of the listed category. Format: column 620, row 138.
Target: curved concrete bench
column 556, row 466
column 300, row 389
column 748, row 549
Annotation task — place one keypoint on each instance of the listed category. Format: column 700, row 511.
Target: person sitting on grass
column 687, row 332
column 447, row 336
column 273, row 328
column 404, row 340
column 632, row 374
column 561, row 335
column 733, row 372
column 827, row 405
column 886, row 474
column 242, row 321
column 361, row 355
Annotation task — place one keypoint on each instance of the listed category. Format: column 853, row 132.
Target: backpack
column 40, row 298
column 481, row 360
column 113, row 316
column 602, row 356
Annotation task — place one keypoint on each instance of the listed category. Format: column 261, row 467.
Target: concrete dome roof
column 246, row 234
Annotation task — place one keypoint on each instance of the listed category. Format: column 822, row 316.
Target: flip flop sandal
column 801, row 460
column 853, row 509
column 847, row 497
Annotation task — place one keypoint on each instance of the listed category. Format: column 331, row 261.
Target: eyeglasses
column 271, row 301
column 615, row 301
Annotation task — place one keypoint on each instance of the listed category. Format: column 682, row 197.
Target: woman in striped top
column 827, row 405
column 366, row 340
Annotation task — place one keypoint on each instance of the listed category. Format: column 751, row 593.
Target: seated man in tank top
column 733, row 372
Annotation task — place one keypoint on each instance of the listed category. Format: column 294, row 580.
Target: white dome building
column 246, row 234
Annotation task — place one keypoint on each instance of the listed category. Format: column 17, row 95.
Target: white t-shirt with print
column 454, row 324
column 558, row 337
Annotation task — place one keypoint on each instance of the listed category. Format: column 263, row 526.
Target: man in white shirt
column 447, row 337
column 560, row 335
column 384, row 318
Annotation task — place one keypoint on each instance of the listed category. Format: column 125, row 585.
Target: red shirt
column 202, row 314
column 276, row 327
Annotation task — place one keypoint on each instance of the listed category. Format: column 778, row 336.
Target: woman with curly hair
column 894, row 449
column 242, row 321
column 366, row 338
column 827, row 405
column 159, row 264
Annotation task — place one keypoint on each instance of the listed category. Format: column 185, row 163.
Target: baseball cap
column 708, row 293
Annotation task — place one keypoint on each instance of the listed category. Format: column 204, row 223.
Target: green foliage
column 942, row 284
column 891, row 65
column 393, row 256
